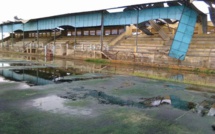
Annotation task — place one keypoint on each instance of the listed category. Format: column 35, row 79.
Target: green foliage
column 208, row 71
column 101, row 61
column 196, row 70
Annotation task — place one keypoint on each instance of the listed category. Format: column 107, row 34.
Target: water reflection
column 39, row 76
column 4, row 65
column 70, row 66
column 178, row 77
column 212, row 111
column 56, row 104
column 2, row 79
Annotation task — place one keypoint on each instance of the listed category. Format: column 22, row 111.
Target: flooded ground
column 64, row 97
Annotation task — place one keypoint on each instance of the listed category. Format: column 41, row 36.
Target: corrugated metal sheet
column 7, row 27
column 48, row 23
column 184, row 34
column 30, row 26
column 130, row 17
column 17, row 27
column 94, row 19
column 11, row 27
column 78, row 20
column 88, row 19
column 161, row 13
column 121, row 18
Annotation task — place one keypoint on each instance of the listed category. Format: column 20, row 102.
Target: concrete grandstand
column 161, row 33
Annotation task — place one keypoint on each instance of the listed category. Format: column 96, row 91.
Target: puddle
column 41, row 76
column 4, row 65
column 17, row 64
column 55, row 104
column 2, row 79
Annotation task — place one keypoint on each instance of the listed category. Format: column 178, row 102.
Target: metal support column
column 204, row 23
column 54, row 36
column 12, row 36
column 136, row 41
column 53, row 47
column 37, row 35
column 23, row 40
column 75, row 35
column 2, row 43
column 102, row 30
column 75, row 32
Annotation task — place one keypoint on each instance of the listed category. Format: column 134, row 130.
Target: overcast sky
column 29, row 9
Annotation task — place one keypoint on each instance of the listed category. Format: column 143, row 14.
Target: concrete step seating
column 61, row 40
column 202, row 46
column 203, row 35
column 141, row 42
column 106, row 39
column 203, row 42
column 31, row 40
column 203, row 39
column 83, row 39
column 201, row 53
column 84, row 43
column 148, row 50
column 144, row 38
column 87, row 47
column 145, row 44
column 11, row 41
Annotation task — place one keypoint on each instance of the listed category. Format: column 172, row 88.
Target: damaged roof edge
column 99, row 10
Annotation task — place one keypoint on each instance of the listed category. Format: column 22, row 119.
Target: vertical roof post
column 136, row 49
column 12, row 34
column 102, row 29
column 23, row 38
column 37, row 34
column 2, row 40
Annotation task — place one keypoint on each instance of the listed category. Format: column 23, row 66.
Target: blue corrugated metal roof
column 182, row 39
column 92, row 19
column 183, row 34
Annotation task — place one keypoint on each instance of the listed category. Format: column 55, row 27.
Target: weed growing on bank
column 99, row 61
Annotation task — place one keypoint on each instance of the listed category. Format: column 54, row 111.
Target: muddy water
column 59, row 96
